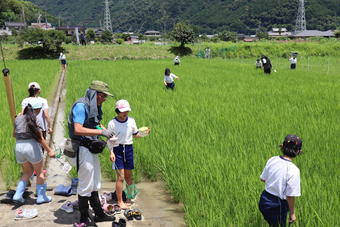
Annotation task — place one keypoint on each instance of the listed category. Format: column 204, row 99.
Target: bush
column 119, row 41
column 106, row 37
column 228, row 36
column 47, row 43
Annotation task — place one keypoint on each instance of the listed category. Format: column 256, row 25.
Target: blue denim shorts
column 124, row 157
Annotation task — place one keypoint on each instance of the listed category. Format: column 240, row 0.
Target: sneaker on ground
column 67, row 207
column 25, row 214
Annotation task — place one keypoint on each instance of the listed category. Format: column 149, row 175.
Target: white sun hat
column 123, row 105
column 34, row 84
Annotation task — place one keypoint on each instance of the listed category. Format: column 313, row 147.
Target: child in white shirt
column 282, row 184
column 125, row 129
column 169, row 79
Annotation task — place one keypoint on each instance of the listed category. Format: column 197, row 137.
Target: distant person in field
column 28, row 152
column 207, row 52
column 122, row 155
column 266, row 64
column 62, row 59
column 293, row 61
column 169, row 77
column 177, row 60
column 82, row 39
column 258, row 64
column 282, row 184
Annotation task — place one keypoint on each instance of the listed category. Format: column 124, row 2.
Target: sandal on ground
column 137, row 214
column 25, row 214
column 128, row 214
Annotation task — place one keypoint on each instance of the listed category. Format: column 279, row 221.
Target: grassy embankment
column 211, row 137
column 221, row 49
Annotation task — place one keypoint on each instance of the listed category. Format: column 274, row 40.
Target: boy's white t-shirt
column 170, row 79
column 282, row 177
column 124, row 130
column 40, row 117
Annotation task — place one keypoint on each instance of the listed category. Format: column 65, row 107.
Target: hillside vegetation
column 209, row 16
column 13, row 10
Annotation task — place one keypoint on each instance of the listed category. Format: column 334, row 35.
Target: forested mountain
column 19, row 11
column 208, row 16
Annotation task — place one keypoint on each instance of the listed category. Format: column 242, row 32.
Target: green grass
column 212, row 136
column 45, row 72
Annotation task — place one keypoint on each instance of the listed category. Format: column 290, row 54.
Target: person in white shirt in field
column 122, row 155
column 293, row 61
column 177, row 60
column 169, row 79
column 282, row 184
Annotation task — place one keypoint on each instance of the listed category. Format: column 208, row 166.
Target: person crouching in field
column 125, row 129
column 28, row 151
column 177, row 60
column 267, row 66
column 258, row 64
column 282, row 184
column 169, row 79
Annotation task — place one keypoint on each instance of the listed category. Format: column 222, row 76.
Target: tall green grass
column 212, row 136
column 45, row 72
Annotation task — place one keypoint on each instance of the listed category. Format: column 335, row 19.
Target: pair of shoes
column 25, row 214
column 120, row 223
column 67, row 207
column 63, row 190
column 135, row 213
column 103, row 218
column 75, row 205
column 111, row 208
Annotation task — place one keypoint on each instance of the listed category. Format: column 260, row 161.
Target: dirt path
column 153, row 200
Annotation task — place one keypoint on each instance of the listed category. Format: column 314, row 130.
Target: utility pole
column 301, row 19
column 107, row 17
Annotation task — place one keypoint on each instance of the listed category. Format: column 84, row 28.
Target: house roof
column 314, row 33
column 151, row 31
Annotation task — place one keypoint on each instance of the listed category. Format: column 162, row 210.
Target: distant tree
column 262, row 35
column 183, row 33
column 228, row 36
column 106, row 37
column 125, row 37
column 90, row 35
column 337, row 33
column 119, row 41
column 50, row 40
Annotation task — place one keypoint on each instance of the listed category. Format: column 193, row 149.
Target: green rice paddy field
column 212, row 136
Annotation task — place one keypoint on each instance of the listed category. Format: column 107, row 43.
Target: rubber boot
column 100, row 216
column 19, row 192
column 83, row 203
column 42, row 197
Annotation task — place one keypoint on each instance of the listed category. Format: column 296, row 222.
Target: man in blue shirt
column 83, row 125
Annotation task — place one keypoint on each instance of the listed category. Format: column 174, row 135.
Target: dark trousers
column 292, row 66
column 267, row 69
column 273, row 209
column 170, row 85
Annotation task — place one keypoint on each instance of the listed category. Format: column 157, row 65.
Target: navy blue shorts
column 124, row 157
column 170, row 85
column 273, row 209
column 63, row 62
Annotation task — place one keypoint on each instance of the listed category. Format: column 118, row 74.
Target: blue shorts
column 124, row 157
column 273, row 209
column 63, row 62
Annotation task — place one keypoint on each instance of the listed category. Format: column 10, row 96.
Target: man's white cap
column 34, row 84
column 123, row 105
column 35, row 103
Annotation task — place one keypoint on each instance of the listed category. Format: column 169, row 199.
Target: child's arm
column 291, row 205
column 43, row 142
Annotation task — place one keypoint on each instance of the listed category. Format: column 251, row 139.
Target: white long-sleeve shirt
column 170, row 79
